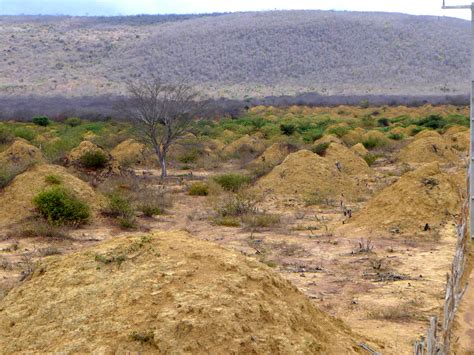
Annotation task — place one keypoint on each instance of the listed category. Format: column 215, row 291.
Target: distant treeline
column 106, row 107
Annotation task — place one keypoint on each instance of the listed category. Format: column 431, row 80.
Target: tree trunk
column 161, row 154
column 164, row 172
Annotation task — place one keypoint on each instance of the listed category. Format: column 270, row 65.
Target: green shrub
column 433, row 122
column 25, row 133
column 320, row 149
column 41, row 121
column 189, row 156
column 260, row 220
column 6, row 136
column 287, row 129
column 118, row 206
column 151, row 201
column 227, row 221
column 339, row 131
column 232, row 182
column 8, row 172
column 94, row 160
column 198, row 189
column 373, row 142
column 53, row 180
column 59, row 206
column 127, row 222
column 364, row 103
column 370, row 159
column 73, row 121
column 396, row 136
column 238, row 205
column 383, row 122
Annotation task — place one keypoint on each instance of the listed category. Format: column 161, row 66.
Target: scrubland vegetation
column 373, row 189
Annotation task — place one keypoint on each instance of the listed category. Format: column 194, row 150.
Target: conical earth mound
column 304, row 174
column 20, row 152
column 427, row 150
column 349, row 161
column 166, row 293
column 426, row 196
column 16, row 200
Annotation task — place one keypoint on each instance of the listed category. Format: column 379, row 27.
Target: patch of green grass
column 24, row 132
column 396, row 136
column 373, row 142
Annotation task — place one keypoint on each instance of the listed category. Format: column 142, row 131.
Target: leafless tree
column 162, row 113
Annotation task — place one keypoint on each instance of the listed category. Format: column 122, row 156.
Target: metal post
column 471, row 144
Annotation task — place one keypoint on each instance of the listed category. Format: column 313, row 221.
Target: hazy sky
column 130, row 7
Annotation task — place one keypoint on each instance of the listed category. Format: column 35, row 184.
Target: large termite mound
column 165, row 293
column 349, row 162
column 16, row 200
column 425, row 198
column 129, row 152
column 273, row 155
column 21, row 153
column 427, row 150
column 303, row 174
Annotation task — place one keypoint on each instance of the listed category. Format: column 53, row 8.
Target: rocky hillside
column 238, row 55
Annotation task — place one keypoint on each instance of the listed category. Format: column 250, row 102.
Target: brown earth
column 427, row 150
column 305, row 173
column 129, row 152
column 427, row 195
column 246, row 142
column 351, row 163
column 273, row 155
column 162, row 293
column 20, row 152
column 359, row 149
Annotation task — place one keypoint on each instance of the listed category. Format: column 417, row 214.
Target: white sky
column 129, row 7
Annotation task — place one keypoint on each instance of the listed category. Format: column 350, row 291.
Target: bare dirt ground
column 383, row 288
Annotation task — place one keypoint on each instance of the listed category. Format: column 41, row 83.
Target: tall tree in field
column 162, row 113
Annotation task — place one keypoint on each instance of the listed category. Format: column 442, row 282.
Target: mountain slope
column 238, row 55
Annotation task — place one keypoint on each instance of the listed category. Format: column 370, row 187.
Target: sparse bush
column 59, row 206
column 198, row 189
column 383, row 122
column 53, row 180
column 339, row 131
column 232, row 182
column 364, row 103
column 94, row 160
column 25, row 133
column 287, row 129
column 41, row 121
column 6, row 136
column 373, row 142
column 118, row 206
column 370, row 159
column 320, row 149
column 151, row 201
column 396, row 136
column 260, row 220
column 433, row 122
column 238, row 205
column 40, row 229
column 73, row 121
column 227, row 221
column 9, row 171
column 190, row 156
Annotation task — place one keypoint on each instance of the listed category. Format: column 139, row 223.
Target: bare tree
column 162, row 113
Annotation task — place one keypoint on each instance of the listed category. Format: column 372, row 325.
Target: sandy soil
column 385, row 293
